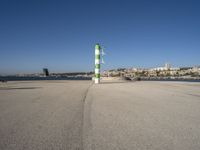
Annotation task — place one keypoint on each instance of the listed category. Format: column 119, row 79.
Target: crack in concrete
column 83, row 116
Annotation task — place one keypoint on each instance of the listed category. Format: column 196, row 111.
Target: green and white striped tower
column 97, row 63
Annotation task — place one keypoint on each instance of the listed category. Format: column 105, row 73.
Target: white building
column 165, row 68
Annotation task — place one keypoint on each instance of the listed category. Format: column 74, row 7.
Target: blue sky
column 61, row 35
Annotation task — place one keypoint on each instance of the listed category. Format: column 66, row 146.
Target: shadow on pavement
column 19, row 88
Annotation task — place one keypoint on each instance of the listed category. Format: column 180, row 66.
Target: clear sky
column 61, row 35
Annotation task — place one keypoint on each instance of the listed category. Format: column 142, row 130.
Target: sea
column 177, row 80
column 17, row 78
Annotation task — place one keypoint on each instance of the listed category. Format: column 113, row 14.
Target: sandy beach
column 114, row 115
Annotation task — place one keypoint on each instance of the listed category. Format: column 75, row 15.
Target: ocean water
column 179, row 80
column 14, row 78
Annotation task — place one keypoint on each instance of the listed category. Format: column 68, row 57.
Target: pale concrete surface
column 42, row 115
column 76, row 115
column 142, row 116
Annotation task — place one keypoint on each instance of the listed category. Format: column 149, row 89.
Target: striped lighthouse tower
column 97, row 63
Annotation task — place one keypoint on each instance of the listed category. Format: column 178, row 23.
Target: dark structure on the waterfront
column 46, row 72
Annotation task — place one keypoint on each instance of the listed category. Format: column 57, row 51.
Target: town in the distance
column 165, row 72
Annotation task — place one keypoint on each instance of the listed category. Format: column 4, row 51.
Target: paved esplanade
column 143, row 116
column 65, row 115
column 42, row 115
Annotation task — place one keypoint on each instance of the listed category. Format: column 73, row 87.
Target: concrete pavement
column 39, row 115
column 143, row 116
column 77, row 115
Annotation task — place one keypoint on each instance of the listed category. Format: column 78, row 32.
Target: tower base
column 96, row 80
